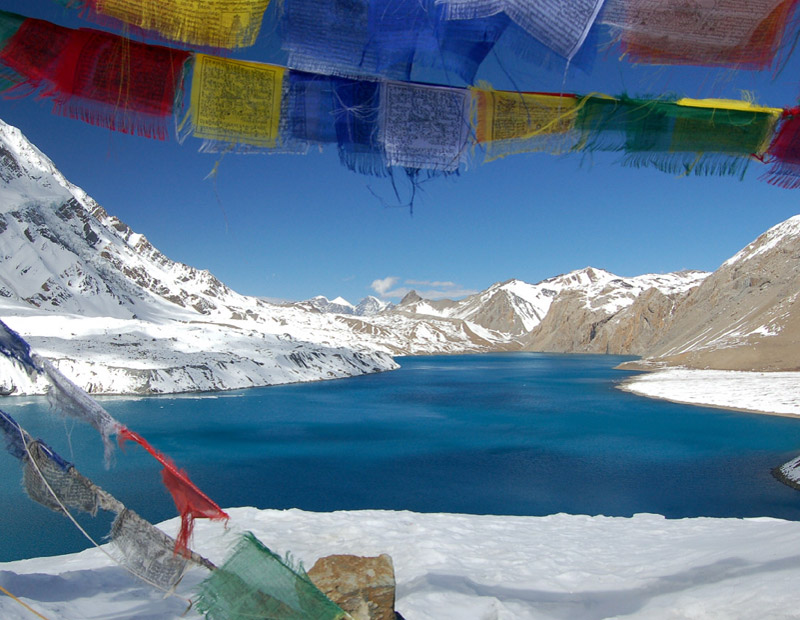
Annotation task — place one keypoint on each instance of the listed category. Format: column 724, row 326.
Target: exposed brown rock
column 363, row 587
column 744, row 316
column 572, row 327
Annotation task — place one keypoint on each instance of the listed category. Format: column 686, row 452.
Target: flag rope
column 68, row 514
column 23, row 603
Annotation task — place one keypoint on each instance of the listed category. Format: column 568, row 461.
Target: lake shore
column 770, row 393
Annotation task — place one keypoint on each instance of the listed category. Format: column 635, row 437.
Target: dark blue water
column 517, row 434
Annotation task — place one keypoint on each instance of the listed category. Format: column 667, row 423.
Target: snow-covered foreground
column 465, row 566
column 766, row 392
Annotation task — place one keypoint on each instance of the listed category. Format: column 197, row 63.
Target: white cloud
column 382, row 286
column 427, row 289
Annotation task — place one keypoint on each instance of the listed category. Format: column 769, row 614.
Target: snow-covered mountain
column 116, row 315
column 507, row 312
column 369, row 306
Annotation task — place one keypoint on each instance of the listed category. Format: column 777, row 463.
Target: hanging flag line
column 253, row 582
column 146, row 552
column 386, row 38
column 70, row 399
column 243, row 106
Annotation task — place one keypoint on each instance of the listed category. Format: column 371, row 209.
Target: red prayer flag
column 190, row 501
column 784, row 152
column 97, row 77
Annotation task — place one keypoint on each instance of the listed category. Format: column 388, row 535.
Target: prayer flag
column 213, row 23
column 784, row 152
column 357, row 128
column 424, row 127
column 384, row 38
column 63, row 394
column 13, row 346
column 49, row 481
column 190, row 501
column 310, row 112
column 35, row 50
column 459, row 47
column 147, row 551
column 256, row 583
column 327, row 36
column 15, row 437
column 561, row 26
column 686, row 136
column 9, row 24
column 236, row 102
column 100, row 78
column 731, row 33
column 723, row 126
column 510, row 122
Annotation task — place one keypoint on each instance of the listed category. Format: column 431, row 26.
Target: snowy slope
column 469, row 567
column 117, row 316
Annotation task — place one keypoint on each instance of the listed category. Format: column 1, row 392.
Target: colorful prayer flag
column 424, row 127
column 256, row 583
column 735, row 33
column 190, row 501
column 236, row 102
column 784, row 152
column 510, row 122
column 723, row 126
column 100, row 78
column 213, row 23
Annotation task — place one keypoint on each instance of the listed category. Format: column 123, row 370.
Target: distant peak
column 410, row 298
column 341, row 301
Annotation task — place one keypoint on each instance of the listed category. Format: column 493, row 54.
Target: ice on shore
column 764, row 392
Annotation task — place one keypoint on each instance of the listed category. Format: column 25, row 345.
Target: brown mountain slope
column 744, row 316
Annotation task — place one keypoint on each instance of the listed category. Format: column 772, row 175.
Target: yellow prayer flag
column 236, row 101
column 729, row 104
column 216, row 23
column 504, row 115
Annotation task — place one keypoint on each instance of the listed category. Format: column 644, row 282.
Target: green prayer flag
column 256, row 583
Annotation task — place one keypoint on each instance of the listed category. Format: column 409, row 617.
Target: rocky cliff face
column 558, row 314
column 746, row 315
column 576, row 324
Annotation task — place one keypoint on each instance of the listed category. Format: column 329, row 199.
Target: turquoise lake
column 515, row 434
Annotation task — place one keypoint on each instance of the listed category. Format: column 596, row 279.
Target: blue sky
column 294, row 226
